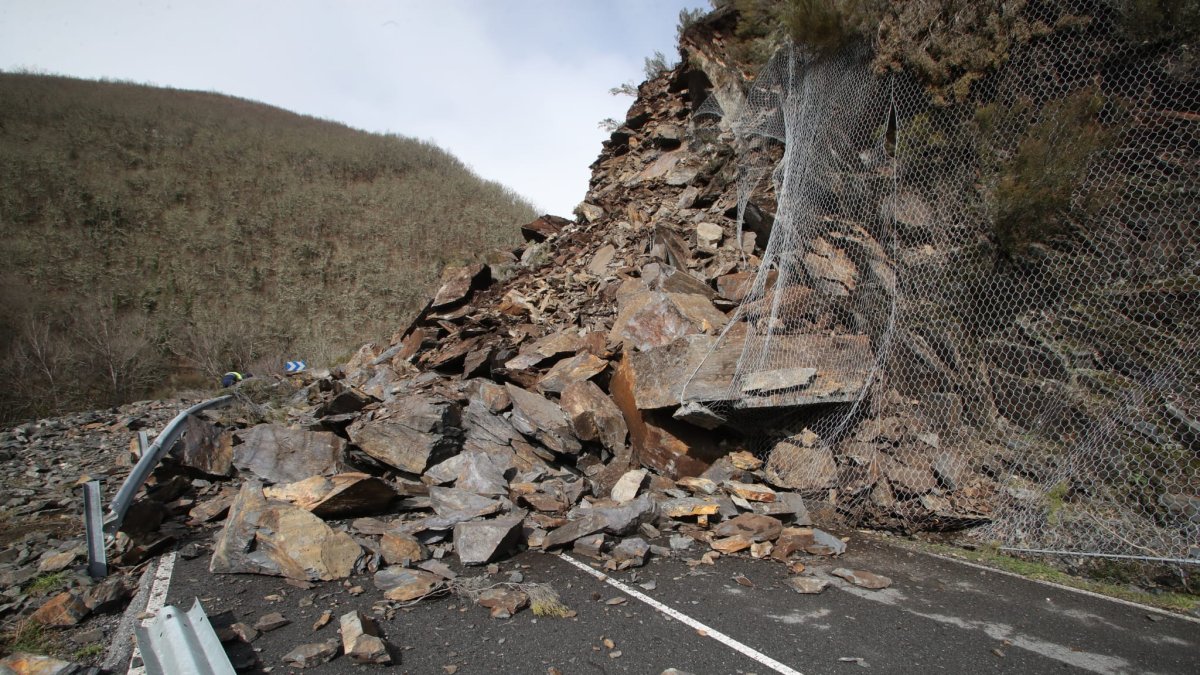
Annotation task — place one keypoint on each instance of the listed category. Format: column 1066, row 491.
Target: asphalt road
column 938, row 616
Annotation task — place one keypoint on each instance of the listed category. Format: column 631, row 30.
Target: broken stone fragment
column 475, row 471
column 504, row 602
column 709, row 235
column 213, row 508
column 269, row 622
column 794, row 466
column 456, row 284
column 616, row 519
column 204, row 447
column 862, row 578
column 401, row 549
column 826, row 544
column 278, row 454
column 64, row 609
column 697, row 485
column 578, row 368
column 631, row 552
column 403, row 584
column 109, row 595
column 807, row 585
column 479, row 542
column 745, row 461
column 337, row 496
column 58, row 561
column 652, row 319
column 749, row 492
column 700, row 415
column 276, row 538
column 600, row 261
column 761, row 549
column 689, row 507
column 911, row 473
column 628, row 485
column 456, row 505
column 411, row 434
column 667, row 446
column 309, row 655
column 733, row 544
column 591, row 546
column 361, row 641
column 593, row 415
column 22, row 663
column 770, row 381
column 544, row 420
column 562, row 342
column 754, row 526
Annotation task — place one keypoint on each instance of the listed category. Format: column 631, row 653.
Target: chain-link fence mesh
column 981, row 312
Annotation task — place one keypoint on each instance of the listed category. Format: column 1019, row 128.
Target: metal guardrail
column 97, row 558
column 178, row 643
column 149, row 459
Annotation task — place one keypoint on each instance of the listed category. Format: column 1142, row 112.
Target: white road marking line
column 156, row 601
column 685, row 619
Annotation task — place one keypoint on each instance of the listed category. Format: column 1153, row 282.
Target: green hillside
column 149, row 231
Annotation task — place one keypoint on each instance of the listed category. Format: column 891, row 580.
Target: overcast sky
column 514, row 88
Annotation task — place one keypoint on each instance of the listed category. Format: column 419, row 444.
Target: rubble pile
column 535, row 403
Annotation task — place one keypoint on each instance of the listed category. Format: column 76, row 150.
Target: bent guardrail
column 150, row 459
column 178, row 643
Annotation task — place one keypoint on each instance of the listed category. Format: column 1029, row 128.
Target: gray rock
column 542, row 419
column 278, row 454
column 314, row 654
column 480, row 542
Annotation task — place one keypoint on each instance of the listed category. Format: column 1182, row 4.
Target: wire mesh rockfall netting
column 983, row 312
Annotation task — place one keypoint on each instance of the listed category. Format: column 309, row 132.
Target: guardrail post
column 93, row 522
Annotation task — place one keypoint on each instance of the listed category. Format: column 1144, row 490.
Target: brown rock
column 689, row 507
column 109, row 595
column 269, row 622
column 600, row 261
column 21, row 663
column 794, row 466
column 697, row 485
column 361, row 641
column 309, row 655
column 64, row 609
column 411, row 434
column 205, row 447
column 539, row 418
column 593, row 415
column 862, row 578
column 401, row 549
column 727, row 545
column 652, row 319
column 670, row 448
column 278, row 454
column 578, row 368
column 910, row 474
column 752, row 525
column 456, row 284
column 213, row 508
column 403, row 584
column 338, row 496
column 792, row 540
column 58, row 561
column 807, row 585
column 543, row 228
column 737, row 286
column 279, row 539
column 744, row 461
column 503, row 602
column 562, row 342
column 752, row 493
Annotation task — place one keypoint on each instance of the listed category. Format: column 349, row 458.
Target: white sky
column 514, row 88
